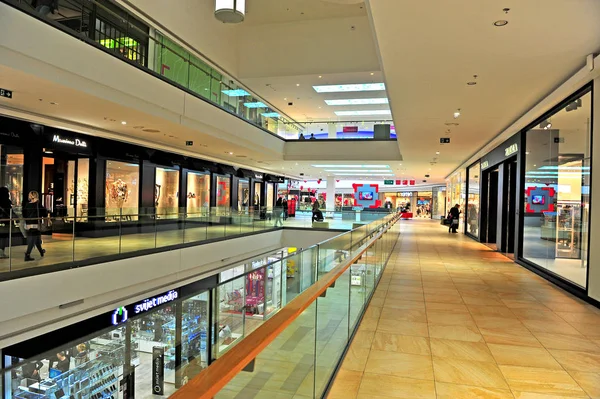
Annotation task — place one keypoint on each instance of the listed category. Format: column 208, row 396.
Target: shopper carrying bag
column 5, row 221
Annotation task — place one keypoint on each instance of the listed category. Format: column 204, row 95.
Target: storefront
column 89, row 179
column 530, row 197
column 456, row 193
column 141, row 349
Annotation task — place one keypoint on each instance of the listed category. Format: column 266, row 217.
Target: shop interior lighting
column 353, row 166
column 573, row 105
column 271, row 115
column 364, row 174
column 235, row 93
column 123, row 123
column 564, row 167
column 545, row 124
column 350, row 88
column 255, row 105
column 355, row 170
column 364, row 113
column 358, row 101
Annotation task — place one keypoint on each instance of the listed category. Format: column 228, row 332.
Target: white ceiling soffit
column 430, row 50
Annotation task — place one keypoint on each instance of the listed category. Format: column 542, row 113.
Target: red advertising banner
column 412, row 182
column 350, row 129
column 398, row 182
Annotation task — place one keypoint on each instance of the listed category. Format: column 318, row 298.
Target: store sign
column 388, row 182
column 485, row 164
column 72, row 142
column 513, row 149
column 350, row 129
column 258, row 176
column 122, row 314
column 6, row 93
column 158, row 370
column 356, row 279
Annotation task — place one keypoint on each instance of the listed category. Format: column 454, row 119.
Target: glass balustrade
column 300, row 361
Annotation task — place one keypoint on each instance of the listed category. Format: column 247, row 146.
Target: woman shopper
column 33, row 213
column 278, row 212
column 5, row 220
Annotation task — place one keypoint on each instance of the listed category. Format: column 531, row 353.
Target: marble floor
column 453, row 319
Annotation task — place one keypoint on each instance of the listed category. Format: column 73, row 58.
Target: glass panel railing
column 119, row 32
column 188, row 336
column 339, row 130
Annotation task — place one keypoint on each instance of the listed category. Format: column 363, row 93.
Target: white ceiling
column 430, row 50
column 260, row 12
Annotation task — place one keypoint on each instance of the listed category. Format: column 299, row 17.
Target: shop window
column 257, row 194
column 424, row 204
column 166, row 193
column 473, row 200
column 194, row 336
column 11, row 172
column 230, row 319
column 198, row 196
column 270, row 197
column 223, row 194
column 557, row 191
column 122, row 190
column 243, row 195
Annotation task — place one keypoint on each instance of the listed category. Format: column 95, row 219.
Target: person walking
column 5, row 221
column 454, row 216
column 278, row 211
column 33, row 213
column 284, row 204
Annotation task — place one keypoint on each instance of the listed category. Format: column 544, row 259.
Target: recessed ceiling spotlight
column 501, row 22
column 229, row 152
column 123, row 123
column 320, row 76
column 457, row 113
column 285, row 98
column 526, row 152
column 297, row 84
column 372, row 73
column 53, row 103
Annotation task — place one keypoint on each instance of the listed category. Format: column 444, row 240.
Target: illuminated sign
column 121, row 314
column 513, row 149
column 73, row 142
column 485, row 164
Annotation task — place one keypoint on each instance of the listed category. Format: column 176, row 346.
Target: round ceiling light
column 501, row 22
column 230, row 11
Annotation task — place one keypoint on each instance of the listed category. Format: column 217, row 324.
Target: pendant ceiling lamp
column 230, row 11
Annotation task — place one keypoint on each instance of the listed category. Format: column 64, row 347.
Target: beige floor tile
column 577, row 361
column 482, row 300
column 477, row 351
column 460, row 333
column 377, row 302
column 380, row 386
column 363, row 339
column 566, row 342
column 453, row 391
column 368, row 325
column 356, row 359
column 561, row 327
column 491, row 311
column 405, row 289
column 443, row 298
column 498, row 322
column 535, row 395
column 417, row 315
column 536, row 380
column 537, row 314
column 401, row 343
column 403, row 327
column 373, row 312
column 404, row 296
column 443, row 317
column 509, row 336
column 513, row 355
column 396, row 304
column 590, row 382
column 346, row 385
column 520, row 304
column 449, row 307
column 465, row 372
column 400, row 364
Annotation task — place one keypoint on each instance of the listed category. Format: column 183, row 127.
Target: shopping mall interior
column 299, row 199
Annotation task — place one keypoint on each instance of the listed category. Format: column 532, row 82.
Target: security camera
column 290, row 104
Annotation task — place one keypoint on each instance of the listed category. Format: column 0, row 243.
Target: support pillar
column 331, row 132
column 330, row 202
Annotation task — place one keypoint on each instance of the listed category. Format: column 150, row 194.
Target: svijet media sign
column 123, row 313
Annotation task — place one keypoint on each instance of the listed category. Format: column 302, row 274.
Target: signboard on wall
column 158, row 370
column 504, row 151
column 388, row 182
column 350, row 129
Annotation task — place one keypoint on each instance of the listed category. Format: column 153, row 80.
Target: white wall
column 36, row 300
column 307, row 47
column 594, row 262
column 342, row 150
column 194, row 22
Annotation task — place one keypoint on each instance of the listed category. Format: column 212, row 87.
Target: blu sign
column 121, row 314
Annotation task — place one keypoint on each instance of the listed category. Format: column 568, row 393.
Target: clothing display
column 119, row 192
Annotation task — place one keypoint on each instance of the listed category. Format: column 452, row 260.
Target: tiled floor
column 452, row 319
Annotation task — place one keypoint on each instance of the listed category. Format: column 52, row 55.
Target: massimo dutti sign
column 509, row 148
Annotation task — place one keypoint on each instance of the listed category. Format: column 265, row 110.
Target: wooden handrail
column 214, row 378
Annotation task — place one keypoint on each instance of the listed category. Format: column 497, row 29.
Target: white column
column 594, row 265
column 331, row 131
column 330, row 202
